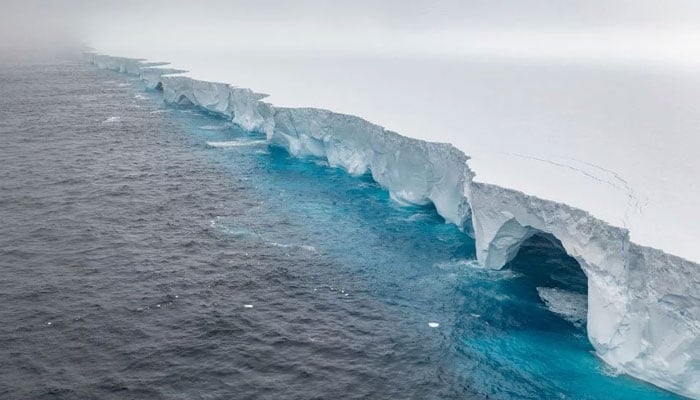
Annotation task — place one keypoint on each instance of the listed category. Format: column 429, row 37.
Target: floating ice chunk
column 237, row 143
column 570, row 305
column 433, row 324
column 247, row 306
column 213, row 127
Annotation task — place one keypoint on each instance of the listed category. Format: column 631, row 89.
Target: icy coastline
column 643, row 304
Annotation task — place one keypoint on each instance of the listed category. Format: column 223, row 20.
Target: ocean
column 156, row 252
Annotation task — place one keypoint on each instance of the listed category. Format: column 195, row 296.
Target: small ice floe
column 247, row 306
column 140, row 97
column 111, row 119
column 571, row 306
column 237, row 143
column 213, row 127
column 433, row 324
column 49, row 323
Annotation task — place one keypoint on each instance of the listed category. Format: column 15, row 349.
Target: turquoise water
column 140, row 262
column 495, row 336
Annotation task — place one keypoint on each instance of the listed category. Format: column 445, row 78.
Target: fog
column 617, row 31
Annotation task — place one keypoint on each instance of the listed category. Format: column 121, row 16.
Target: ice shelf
column 643, row 315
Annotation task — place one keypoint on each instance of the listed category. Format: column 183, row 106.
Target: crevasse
column 643, row 304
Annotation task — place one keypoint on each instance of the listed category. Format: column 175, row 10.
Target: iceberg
column 643, row 305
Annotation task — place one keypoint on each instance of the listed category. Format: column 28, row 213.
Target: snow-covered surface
column 548, row 143
column 617, row 141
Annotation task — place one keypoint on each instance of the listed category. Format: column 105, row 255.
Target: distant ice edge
column 643, row 304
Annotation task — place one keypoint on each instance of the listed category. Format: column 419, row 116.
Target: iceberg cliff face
column 152, row 76
column 643, row 304
column 413, row 171
column 242, row 106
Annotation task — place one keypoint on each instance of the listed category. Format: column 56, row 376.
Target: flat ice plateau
column 604, row 161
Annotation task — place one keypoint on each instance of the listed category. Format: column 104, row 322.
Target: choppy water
column 155, row 252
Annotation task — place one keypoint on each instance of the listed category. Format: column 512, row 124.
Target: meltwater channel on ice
column 643, row 315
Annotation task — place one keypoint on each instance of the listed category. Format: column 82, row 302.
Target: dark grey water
column 116, row 282
column 136, row 262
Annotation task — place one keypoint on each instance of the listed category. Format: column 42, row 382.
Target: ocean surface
column 158, row 252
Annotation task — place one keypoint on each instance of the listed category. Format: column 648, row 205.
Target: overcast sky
column 664, row 31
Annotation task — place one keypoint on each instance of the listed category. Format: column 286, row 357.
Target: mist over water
column 642, row 32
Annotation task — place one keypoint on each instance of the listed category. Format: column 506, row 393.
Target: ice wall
column 413, row 171
column 242, row 106
column 643, row 304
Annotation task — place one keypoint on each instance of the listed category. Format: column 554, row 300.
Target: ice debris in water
column 247, row 306
column 213, row 127
column 433, row 324
column 237, row 143
column 569, row 305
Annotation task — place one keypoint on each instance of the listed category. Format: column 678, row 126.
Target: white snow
column 617, row 142
column 600, row 156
